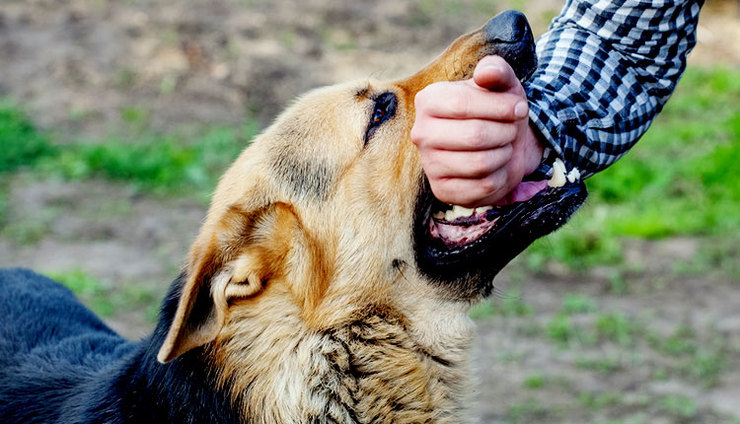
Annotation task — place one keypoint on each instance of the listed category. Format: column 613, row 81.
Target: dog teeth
column 574, row 175
column 454, row 213
column 484, row 209
column 558, row 174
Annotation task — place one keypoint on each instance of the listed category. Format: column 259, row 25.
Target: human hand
column 474, row 137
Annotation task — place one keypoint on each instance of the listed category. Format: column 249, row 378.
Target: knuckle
column 480, row 164
column 441, row 190
column 458, row 104
column 490, row 185
column 477, row 135
column 417, row 133
column 508, row 133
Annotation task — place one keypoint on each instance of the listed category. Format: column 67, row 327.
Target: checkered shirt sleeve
column 606, row 69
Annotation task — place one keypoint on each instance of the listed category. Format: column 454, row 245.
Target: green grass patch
column 603, row 365
column 107, row 301
column 578, row 304
column 678, row 180
column 617, row 328
column 562, row 330
column 166, row 163
column 599, row 401
column 22, row 145
column 678, row 406
column 89, row 289
column 534, row 382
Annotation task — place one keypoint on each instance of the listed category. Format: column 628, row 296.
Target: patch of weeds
column 706, row 366
column 578, row 304
column 137, row 117
column 606, row 365
column 598, row 401
column 530, row 410
column 22, row 144
column 152, row 161
column 165, row 164
column 617, row 328
column 89, row 289
column 563, row 331
column 681, row 342
column 536, row 381
column 107, row 301
column 579, row 249
column 677, row 406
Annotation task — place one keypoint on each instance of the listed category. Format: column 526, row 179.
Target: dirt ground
column 75, row 65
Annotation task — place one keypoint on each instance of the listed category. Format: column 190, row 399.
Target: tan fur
column 315, row 310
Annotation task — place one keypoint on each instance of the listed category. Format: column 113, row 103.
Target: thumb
column 495, row 74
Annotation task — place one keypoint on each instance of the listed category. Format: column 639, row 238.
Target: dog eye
column 384, row 109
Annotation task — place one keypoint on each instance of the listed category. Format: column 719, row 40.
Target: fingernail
column 521, row 110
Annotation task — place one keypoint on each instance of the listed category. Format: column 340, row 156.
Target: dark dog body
column 60, row 364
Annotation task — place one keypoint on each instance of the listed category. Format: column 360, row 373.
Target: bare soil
column 78, row 65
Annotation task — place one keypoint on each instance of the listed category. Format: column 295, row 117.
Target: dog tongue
column 522, row 192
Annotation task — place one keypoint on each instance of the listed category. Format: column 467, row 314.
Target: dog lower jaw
column 464, row 255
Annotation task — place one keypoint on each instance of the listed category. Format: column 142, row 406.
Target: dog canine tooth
column 574, row 175
column 439, row 215
column 558, row 174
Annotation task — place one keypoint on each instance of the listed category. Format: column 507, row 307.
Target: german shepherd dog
column 324, row 285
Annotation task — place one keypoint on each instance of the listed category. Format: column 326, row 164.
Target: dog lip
column 516, row 227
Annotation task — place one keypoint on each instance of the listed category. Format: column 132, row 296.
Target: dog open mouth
column 454, row 243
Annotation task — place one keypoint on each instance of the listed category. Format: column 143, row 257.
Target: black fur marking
column 305, row 178
column 60, row 364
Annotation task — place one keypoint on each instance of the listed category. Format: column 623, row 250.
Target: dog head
column 328, row 211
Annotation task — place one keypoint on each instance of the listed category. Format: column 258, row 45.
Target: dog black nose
column 507, row 27
column 508, row 35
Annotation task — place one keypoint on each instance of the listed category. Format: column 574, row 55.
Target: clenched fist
column 474, row 136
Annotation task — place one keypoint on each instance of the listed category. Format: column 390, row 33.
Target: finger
column 495, row 73
column 441, row 164
column 462, row 135
column 465, row 100
column 471, row 192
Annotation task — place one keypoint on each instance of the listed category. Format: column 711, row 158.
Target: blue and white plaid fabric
column 606, row 69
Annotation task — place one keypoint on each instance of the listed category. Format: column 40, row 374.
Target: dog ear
column 231, row 260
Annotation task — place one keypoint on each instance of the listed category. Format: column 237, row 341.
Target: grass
column 677, row 406
column 171, row 163
column 22, row 145
column 106, row 301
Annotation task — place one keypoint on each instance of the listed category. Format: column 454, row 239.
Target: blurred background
column 118, row 116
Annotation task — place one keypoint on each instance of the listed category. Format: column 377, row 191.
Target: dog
column 325, row 285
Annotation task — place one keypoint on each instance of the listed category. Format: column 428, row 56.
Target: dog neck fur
column 380, row 366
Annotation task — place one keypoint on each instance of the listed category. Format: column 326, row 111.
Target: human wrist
column 533, row 150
